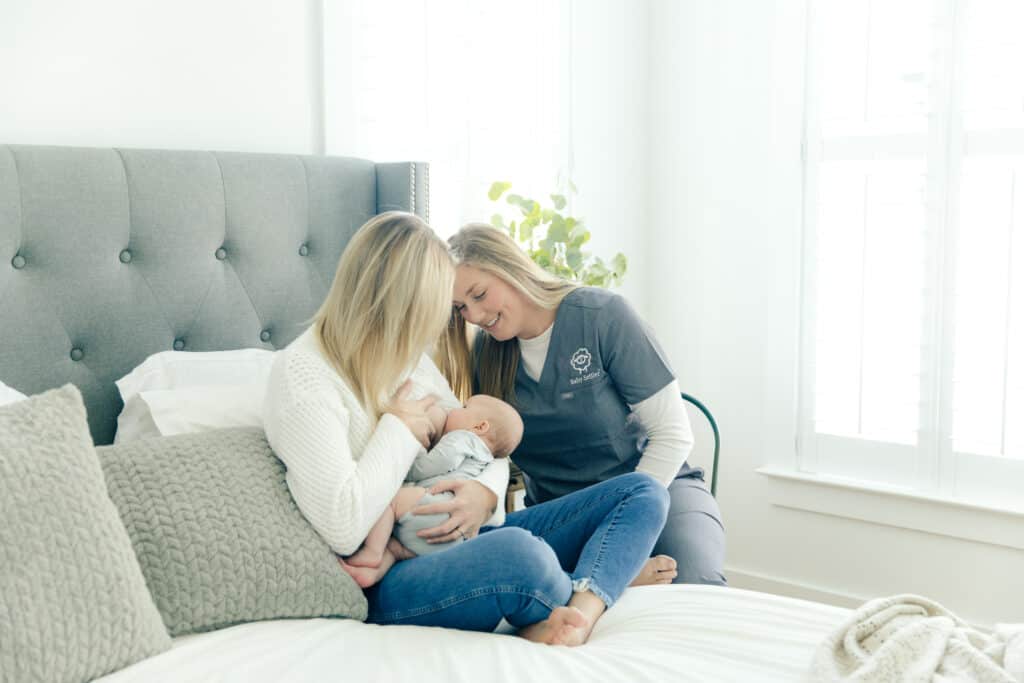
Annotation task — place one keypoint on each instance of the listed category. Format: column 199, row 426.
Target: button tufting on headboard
column 69, row 212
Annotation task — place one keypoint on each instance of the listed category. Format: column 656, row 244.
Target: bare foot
column 365, row 557
column 367, row 576
column 660, row 569
column 564, row 626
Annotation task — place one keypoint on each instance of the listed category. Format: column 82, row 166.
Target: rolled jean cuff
column 587, row 584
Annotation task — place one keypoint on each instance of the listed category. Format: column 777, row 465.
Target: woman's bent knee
column 651, row 491
column 528, row 558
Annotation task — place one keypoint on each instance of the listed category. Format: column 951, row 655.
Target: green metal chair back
column 714, row 430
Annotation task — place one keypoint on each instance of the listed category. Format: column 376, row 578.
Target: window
column 478, row 88
column 912, row 351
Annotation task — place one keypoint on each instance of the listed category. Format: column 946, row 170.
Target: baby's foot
column 660, row 569
column 364, row 576
column 364, row 557
column 564, row 626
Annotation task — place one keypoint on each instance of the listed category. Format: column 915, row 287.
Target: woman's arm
column 340, row 496
column 637, row 365
column 495, row 479
column 670, row 438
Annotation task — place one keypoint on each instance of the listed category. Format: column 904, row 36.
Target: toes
column 663, row 562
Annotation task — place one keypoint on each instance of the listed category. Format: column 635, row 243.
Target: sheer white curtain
column 477, row 88
column 913, row 344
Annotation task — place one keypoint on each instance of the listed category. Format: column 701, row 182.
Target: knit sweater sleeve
column 341, row 495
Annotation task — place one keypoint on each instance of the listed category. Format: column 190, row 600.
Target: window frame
column 930, row 470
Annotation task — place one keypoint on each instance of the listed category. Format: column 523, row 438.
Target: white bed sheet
column 655, row 633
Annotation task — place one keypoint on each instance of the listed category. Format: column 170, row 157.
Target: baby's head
column 493, row 420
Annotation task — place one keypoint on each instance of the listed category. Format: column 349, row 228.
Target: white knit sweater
column 343, row 469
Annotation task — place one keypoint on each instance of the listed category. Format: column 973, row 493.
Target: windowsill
column 869, row 502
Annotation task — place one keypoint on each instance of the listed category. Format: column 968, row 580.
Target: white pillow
column 178, row 385
column 200, row 409
column 9, row 395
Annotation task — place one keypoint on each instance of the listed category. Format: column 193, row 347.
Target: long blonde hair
column 491, row 250
column 390, row 300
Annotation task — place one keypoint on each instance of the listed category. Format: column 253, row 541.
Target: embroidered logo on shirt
column 580, row 360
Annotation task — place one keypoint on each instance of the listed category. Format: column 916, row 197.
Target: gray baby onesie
column 460, row 454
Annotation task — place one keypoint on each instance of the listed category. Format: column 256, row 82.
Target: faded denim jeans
column 597, row 538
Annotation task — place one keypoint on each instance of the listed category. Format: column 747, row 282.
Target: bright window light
column 913, row 344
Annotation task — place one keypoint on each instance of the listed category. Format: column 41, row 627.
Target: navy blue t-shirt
column 578, row 429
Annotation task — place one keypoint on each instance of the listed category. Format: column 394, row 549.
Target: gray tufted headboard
column 110, row 255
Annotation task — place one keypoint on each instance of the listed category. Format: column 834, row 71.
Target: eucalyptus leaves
column 555, row 242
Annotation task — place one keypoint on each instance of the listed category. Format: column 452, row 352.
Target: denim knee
column 650, row 490
column 530, row 561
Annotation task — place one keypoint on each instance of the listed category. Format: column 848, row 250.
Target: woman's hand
column 472, row 506
column 414, row 414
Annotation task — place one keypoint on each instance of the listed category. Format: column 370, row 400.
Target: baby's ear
column 482, row 427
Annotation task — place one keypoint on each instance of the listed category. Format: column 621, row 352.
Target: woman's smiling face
column 489, row 302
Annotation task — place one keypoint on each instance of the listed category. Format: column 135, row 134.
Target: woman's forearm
column 495, row 479
column 340, row 496
column 670, row 437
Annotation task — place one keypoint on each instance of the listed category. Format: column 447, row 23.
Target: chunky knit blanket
column 910, row 638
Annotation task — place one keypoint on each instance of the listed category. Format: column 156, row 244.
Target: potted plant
column 555, row 241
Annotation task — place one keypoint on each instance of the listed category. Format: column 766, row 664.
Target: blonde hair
column 491, row 250
column 390, row 300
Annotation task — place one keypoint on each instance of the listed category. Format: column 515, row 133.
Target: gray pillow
column 73, row 603
column 218, row 535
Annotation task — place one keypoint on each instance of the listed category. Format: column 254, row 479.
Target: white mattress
column 655, row 633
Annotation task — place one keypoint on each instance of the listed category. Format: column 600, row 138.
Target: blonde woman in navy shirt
column 596, row 393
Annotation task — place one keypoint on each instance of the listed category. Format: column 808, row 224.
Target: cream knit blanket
column 910, row 638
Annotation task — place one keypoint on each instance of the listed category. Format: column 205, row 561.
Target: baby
column 486, row 428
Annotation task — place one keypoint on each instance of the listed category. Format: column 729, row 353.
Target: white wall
column 190, row 74
column 723, row 289
column 247, row 75
column 609, row 117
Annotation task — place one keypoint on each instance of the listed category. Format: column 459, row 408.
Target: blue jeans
column 597, row 539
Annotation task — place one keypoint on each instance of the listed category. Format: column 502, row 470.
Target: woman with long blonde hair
column 346, row 411
column 594, row 388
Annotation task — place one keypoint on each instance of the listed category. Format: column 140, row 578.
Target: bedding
column 73, row 603
column 907, row 637
column 9, row 395
column 178, row 392
column 654, row 633
column 217, row 534
column 108, row 256
column 201, row 409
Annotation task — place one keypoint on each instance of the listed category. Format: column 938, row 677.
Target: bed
column 110, row 255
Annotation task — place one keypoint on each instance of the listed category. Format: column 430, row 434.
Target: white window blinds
column 913, row 307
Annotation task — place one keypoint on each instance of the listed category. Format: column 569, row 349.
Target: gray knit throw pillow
column 73, row 603
column 218, row 535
